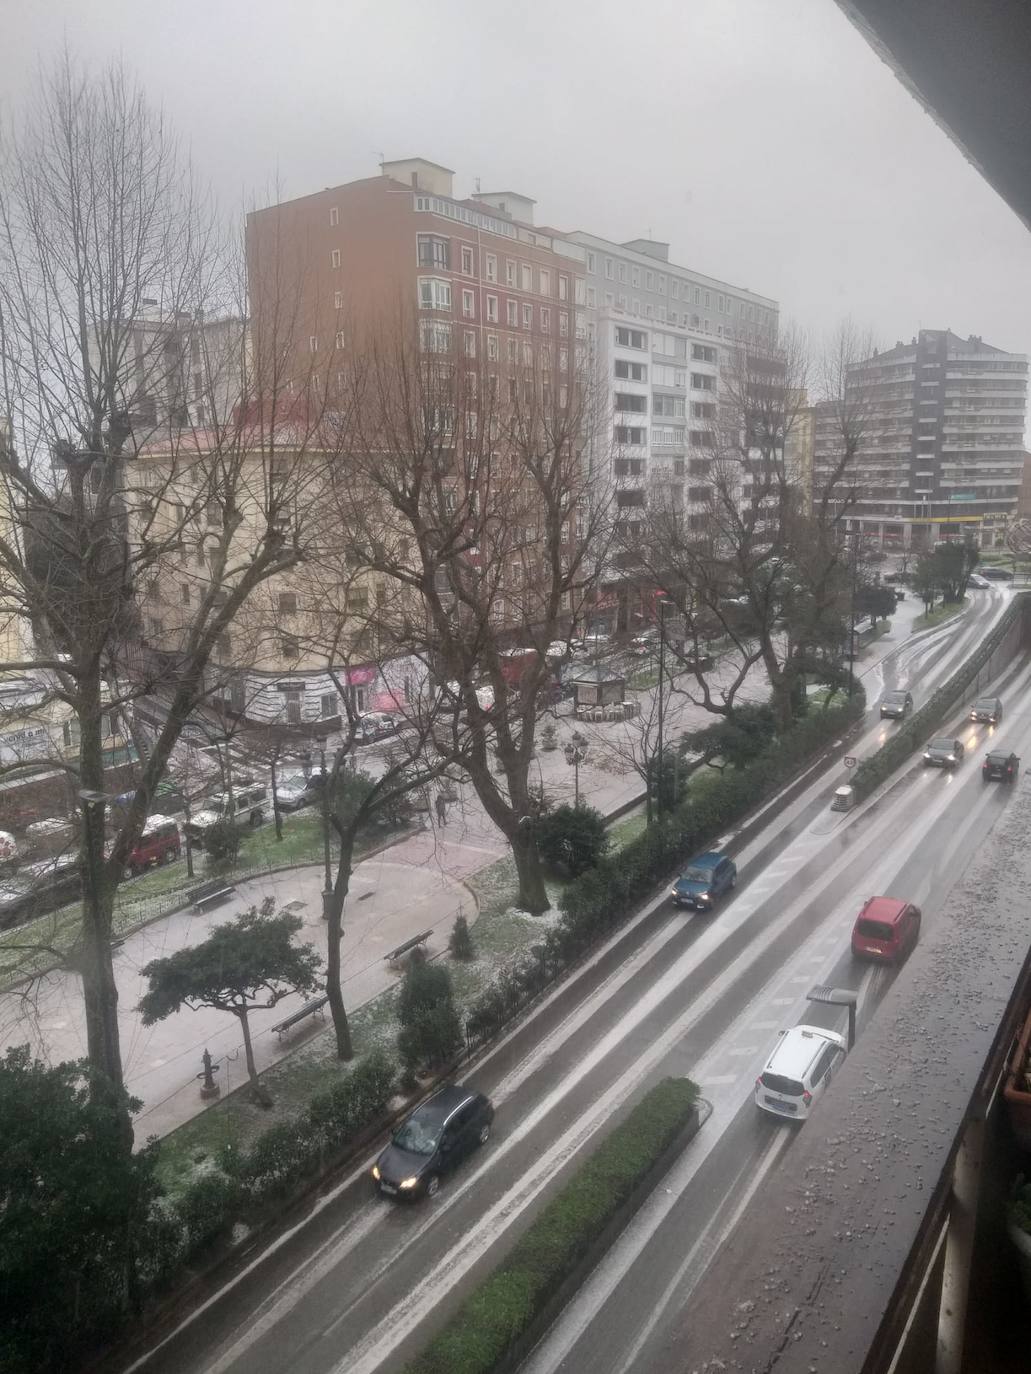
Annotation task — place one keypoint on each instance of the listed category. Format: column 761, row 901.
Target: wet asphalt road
column 359, row 1283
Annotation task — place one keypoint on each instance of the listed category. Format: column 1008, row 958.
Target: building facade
column 942, row 448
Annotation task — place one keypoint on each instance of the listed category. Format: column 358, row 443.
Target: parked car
column 432, row 1141
column 246, row 807
column 798, row 1071
column 987, row 710
column 896, row 705
column 978, row 582
column 375, row 725
column 900, row 595
column 1000, row 767
column 994, row 574
column 706, row 880
column 159, row 843
column 943, row 752
column 37, row 889
column 886, row 929
column 293, row 791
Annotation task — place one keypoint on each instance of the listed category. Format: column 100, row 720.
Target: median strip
column 502, row 1320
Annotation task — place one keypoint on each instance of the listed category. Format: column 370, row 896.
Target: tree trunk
column 260, row 1095
column 275, row 802
column 93, row 956
column 334, row 934
column 533, row 896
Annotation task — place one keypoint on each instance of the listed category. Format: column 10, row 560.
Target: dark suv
column 1000, row 767
column 432, row 1141
column 987, row 710
column 896, row 705
column 708, row 877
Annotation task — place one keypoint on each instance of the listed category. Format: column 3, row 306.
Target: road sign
column 849, row 761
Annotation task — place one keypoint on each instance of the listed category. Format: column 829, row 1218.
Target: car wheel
column 733, row 882
column 485, row 1133
column 433, row 1185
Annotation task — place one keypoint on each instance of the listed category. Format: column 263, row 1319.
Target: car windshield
column 698, row 875
column 895, row 698
column 985, row 704
column 946, row 744
column 417, row 1136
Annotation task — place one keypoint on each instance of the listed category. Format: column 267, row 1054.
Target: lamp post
column 576, row 752
column 327, row 889
column 853, row 552
column 661, row 607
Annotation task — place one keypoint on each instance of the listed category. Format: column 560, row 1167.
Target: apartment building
column 359, row 260
column 942, row 452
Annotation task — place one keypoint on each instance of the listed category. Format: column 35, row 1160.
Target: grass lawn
column 940, row 614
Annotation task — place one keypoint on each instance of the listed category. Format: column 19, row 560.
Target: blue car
column 708, row 877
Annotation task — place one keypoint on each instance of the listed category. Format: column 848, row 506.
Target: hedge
column 604, row 895
column 508, row 1303
column 923, row 723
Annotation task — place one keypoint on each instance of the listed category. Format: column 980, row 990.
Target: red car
column 160, row 843
column 886, row 930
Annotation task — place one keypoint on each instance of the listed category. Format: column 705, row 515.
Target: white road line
column 715, row 1080
column 742, row 1050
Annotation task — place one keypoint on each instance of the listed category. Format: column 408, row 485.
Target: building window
column 512, row 307
column 434, row 294
column 545, row 319
column 334, row 257
column 510, row 272
column 703, row 353
column 184, row 593
column 328, row 704
column 468, row 308
column 334, row 216
column 526, row 276
column 434, row 251
column 492, row 347
column 469, row 343
column 563, row 288
column 609, row 268
column 467, row 261
column 563, row 323
column 513, row 350
column 339, row 339
column 625, row 400
column 633, row 372
column 288, row 602
column 338, row 300
column 490, row 270
column 635, row 276
column 631, row 338
column 435, row 336
column 492, row 309
column 563, row 359
column 313, row 343
column 289, row 646
column 527, row 316
column 592, row 297
column 649, row 281
column 622, row 301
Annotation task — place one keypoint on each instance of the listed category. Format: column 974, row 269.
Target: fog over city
column 762, row 138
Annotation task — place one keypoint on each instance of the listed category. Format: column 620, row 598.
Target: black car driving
column 432, row 1141
column 1000, row 767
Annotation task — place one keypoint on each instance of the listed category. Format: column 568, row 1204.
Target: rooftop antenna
column 382, row 159
column 476, row 185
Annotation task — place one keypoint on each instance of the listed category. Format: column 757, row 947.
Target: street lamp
column 576, row 752
column 661, row 607
column 327, row 889
column 854, row 553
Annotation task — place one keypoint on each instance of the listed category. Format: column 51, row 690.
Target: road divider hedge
column 922, row 725
column 498, row 1324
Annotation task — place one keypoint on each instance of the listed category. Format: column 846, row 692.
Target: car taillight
column 807, row 1098
column 759, row 1081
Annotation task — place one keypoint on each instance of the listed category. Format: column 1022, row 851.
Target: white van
column 798, row 1071
column 246, row 807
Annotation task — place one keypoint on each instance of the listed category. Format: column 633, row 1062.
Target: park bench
column 407, row 947
column 211, row 893
column 317, row 1004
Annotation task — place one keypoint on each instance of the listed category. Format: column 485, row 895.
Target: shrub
column 346, row 1108
column 461, row 942
column 572, row 838
column 222, row 842
column 278, row 1160
column 508, row 1303
column 207, row 1209
column 431, row 1032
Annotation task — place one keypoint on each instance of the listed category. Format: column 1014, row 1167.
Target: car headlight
column 952, row 758
column 927, row 755
column 703, row 896
column 408, row 1183
column 375, row 1172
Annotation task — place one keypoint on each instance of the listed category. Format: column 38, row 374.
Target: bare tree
column 469, row 491
column 108, row 260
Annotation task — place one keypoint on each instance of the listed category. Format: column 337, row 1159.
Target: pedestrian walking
column 441, row 804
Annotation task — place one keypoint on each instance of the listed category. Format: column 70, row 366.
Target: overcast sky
column 762, row 138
